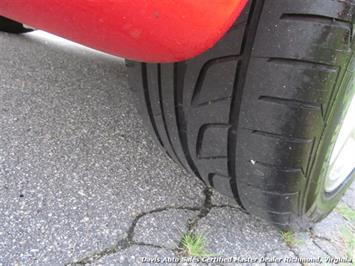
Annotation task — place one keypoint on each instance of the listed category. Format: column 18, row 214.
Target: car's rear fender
column 143, row 30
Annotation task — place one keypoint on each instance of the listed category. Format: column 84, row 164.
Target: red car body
column 142, row 30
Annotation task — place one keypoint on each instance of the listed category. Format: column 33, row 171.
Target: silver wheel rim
column 342, row 159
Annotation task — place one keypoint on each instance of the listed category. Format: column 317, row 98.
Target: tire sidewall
column 318, row 203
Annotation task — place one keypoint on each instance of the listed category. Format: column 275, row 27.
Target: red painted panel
column 143, row 30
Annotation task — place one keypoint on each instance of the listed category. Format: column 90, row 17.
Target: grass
column 347, row 213
column 193, row 245
column 289, row 238
column 349, row 240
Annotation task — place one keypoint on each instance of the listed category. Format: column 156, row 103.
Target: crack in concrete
column 203, row 211
column 238, row 208
column 321, row 248
column 321, row 238
column 297, row 256
column 128, row 240
column 294, row 252
column 314, row 237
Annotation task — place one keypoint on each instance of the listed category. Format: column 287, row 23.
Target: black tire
column 10, row 26
column 254, row 115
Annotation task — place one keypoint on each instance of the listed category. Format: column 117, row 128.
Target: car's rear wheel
column 10, row 26
column 257, row 116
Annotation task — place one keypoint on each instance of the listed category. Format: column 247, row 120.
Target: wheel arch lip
column 150, row 31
